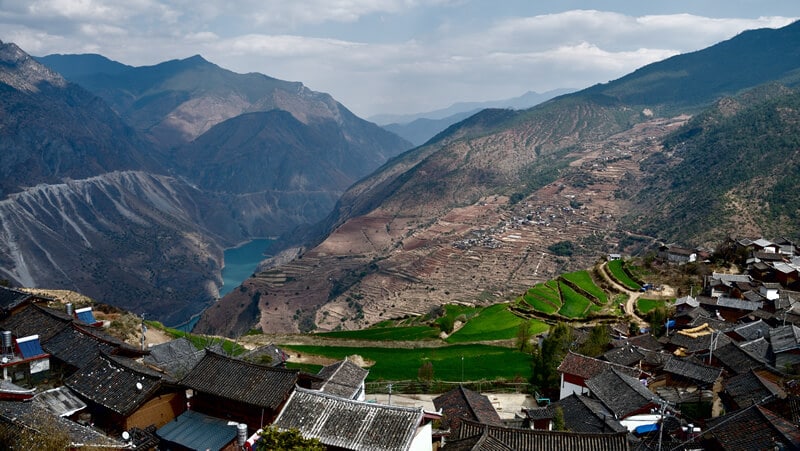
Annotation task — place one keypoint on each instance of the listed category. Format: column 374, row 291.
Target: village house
column 576, row 369
column 754, row 427
column 122, row 394
column 785, row 341
column 344, row 379
column 585, row 414
column 232, row 389
column 623, row 395
column 461, row 404
column 346, row 424
column 747, row 389
column 12, row 300
column 677, row 254
column 476, row 436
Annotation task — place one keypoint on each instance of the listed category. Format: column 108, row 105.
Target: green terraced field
column 493, row 323
column 584, row 280
column 575, row 305
column 386, row 333
column 615, row 267
column 479, row 361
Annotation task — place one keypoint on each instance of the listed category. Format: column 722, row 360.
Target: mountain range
column 687, row 150
column 126, row 183
column 419, row 128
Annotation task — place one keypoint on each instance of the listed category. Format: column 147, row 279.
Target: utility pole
column 462, row 369
column 144, row 331
column 390, row 394
column 662, row 411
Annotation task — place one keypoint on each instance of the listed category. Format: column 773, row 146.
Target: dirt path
column 633, row 296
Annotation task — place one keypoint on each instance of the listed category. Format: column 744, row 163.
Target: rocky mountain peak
column 20, row 71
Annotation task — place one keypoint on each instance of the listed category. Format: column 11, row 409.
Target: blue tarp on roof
column 197, row 431
column 86, row 316
column 645, row 428
column 30, row 348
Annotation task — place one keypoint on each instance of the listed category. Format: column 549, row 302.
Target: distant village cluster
column 542, row 216
column 723, row 375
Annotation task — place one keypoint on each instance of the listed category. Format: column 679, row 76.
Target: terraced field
column 573, row 296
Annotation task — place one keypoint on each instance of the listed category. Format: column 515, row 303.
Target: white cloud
column 444, row 61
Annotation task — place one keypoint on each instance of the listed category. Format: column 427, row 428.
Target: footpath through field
column 633, row 296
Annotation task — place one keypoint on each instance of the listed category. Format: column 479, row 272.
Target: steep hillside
column 750, row 147
column 87, row 202
column 51, row 130
column 129, row 239
column 475, row 215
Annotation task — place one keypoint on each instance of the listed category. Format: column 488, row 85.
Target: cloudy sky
column 394, row 56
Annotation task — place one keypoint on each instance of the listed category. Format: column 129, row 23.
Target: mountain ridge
column 471, row 215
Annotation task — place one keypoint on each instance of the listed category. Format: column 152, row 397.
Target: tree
column 524, row 336
column 562, row 248
column 549, row 355
column 597, row 343
column 425, row 372
column 272, row 439
column 558, row 419
column 657, row 319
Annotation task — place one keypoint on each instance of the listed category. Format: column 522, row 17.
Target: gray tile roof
column 736, row 360
column 785, row 338
column 27, row 415
column 627, row 355
column 476, row 436
column 343, row 379
column 11, row 298
column 349, row 424
column 463, row 403
column 687, row 300
column 584, row 414
column 75, row 348
column 60, row 401
column 241, row 381
column 118, row 384
column 753, row 428
column 759, row 348
column 622, row 394
column 749, row 388
column 739, row 304
column 646, row 341
column 176, row 357
column 753, row 330
column 36, row 320
column 688, row 368
column 730, row 278
column 697, row 344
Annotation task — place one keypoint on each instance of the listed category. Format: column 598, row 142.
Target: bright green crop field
column 403, row 364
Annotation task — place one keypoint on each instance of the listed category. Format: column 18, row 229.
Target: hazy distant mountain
column 471, row 215
column 74, row 67
column 526, row 100
column 419, row 128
